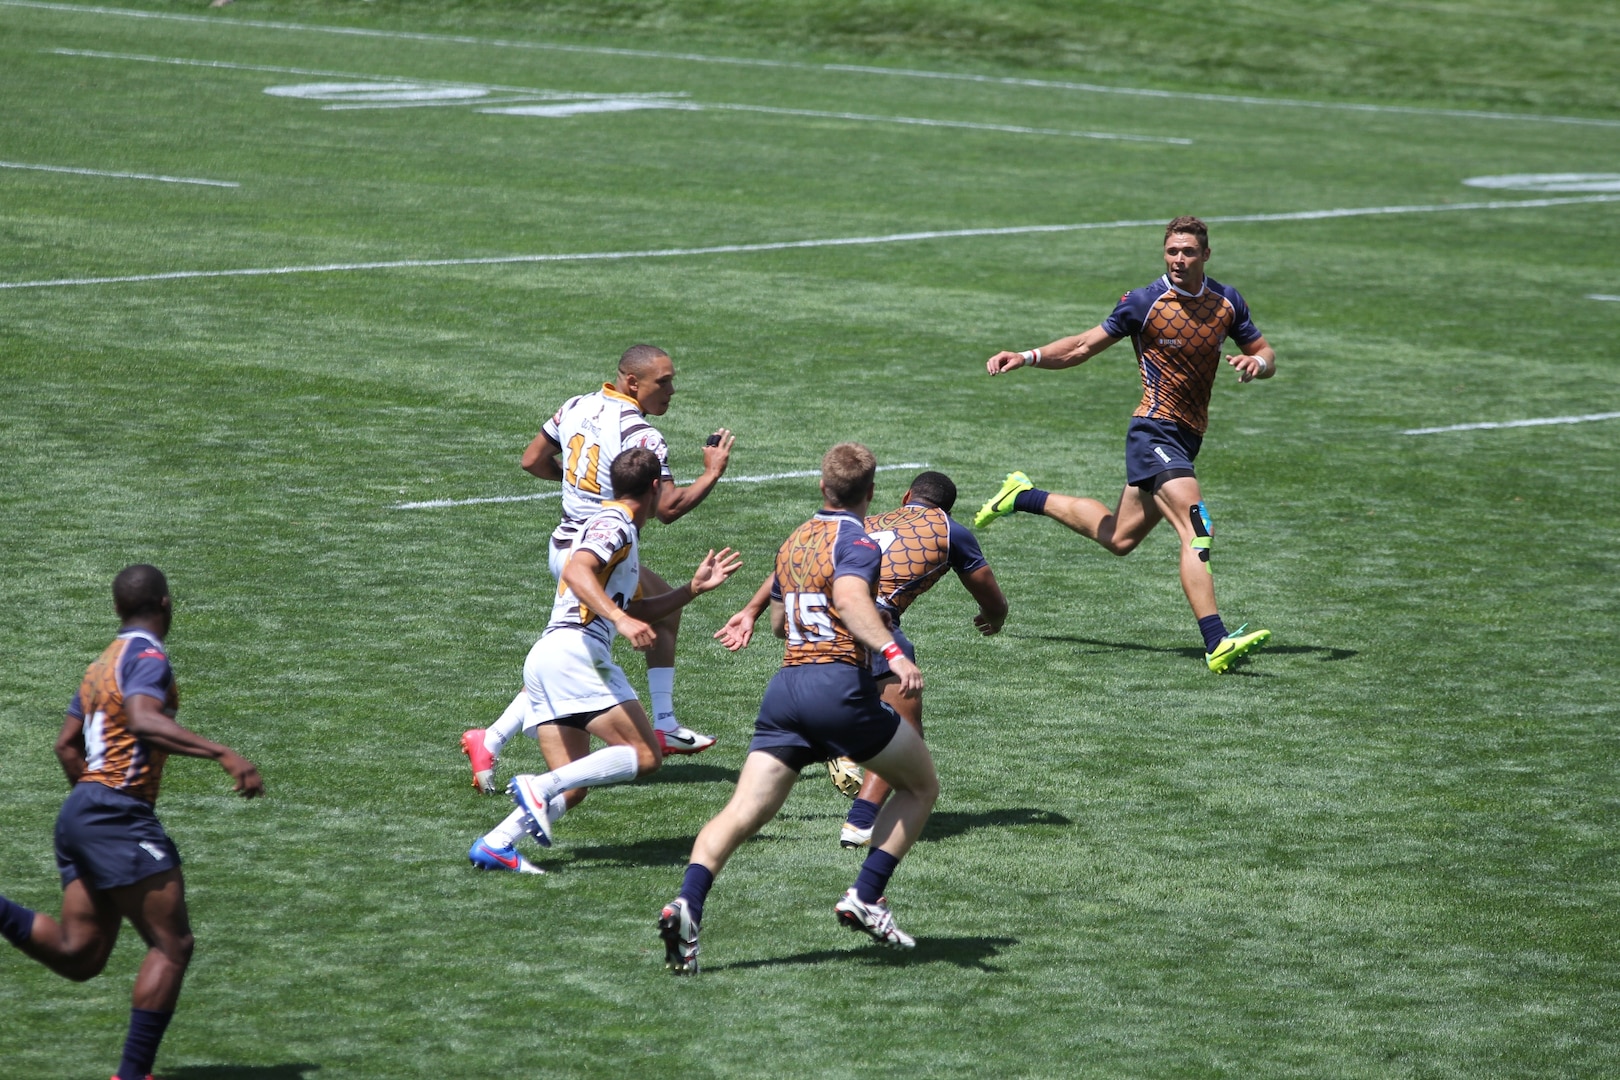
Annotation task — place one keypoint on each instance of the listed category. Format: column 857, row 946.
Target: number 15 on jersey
column 808, row 617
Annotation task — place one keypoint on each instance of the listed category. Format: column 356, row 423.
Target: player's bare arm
column 70, row 748
column 153, row 726
column 673, row 502
column 981, row 584
column 711, row 573
column 543, row 458
column 852, row 599
column 1065, row 352
column 1258, row 361
column 739, row 629
column 580, row 576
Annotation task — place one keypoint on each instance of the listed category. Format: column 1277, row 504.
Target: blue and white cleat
column 485, row 857
column 526, row 792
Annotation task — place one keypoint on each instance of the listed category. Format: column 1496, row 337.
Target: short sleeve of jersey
column 75, row 707
column 776, row 589
column 146, row 671
column 856, row 555
column 966, row 556
column 553, row 427
column 644, row 436
column 1127, row 317
column 603, row 536
column 1243, row 329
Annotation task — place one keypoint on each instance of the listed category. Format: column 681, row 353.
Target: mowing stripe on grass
column 792, row 245
column 859, row 69
column 436, row 504
column 1539, row 422
column 118, row 175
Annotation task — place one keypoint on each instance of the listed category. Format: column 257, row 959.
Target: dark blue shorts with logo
column 110, row 839
column 1156, row 446
column 817, row 712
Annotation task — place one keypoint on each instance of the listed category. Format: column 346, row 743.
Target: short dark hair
column 934, row 488
column 139, row 590
column 638, row 360
column 634, row 471
column 847, row 470
column 1191, row 226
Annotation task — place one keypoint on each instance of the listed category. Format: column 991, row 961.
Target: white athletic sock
column 501, row 732
column 609, row 765
column 507, row 832
column 661, row 688
column 557, row 807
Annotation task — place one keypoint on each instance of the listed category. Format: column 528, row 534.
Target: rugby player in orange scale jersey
column 920, row 541
column 115, row 860
column 1177, row 326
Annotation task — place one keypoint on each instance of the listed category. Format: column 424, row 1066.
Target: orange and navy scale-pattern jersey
column 134, row 663
column 830, row 545
column 919, row 544
column 1178, row 337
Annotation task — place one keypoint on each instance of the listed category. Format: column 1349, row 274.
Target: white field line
column 1600, row 296
column 1539, row 422
column 118, row 175
column 862, row 69
column 437, row 504
column 555, row 95
column 791, row 245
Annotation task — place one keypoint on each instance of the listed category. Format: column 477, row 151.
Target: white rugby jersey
column 592, row 430
column 610, row 535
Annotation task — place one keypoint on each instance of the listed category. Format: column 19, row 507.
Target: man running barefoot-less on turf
column 822, row 704
column 572, row 687
column 1177, row 326
column 116, row 861
column 920, row 541
column 577, row 446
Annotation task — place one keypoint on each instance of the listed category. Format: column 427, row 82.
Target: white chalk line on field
column 437, row 504
column 1539, row 422
column 795, row 245
column 1600, row 296
column 118, row 175
column 860, row 69
column 650, row 100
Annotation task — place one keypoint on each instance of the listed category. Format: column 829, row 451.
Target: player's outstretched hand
column 249, row 784
column 713, row 571
column 737, row 633
column 717, row 452
column 1004, row 361
column 986, row 627
column 911, row 680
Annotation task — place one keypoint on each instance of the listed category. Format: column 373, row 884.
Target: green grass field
column 1386, row 847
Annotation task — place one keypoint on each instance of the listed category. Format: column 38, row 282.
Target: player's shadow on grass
column 963, row 952
column 944, row 824
column 691, row 773
column 241, row 1072
column 665, row 851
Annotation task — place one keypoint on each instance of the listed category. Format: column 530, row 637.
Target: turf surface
column 1384, row 847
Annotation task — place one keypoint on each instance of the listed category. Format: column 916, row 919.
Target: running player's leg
column 863, row 812
column 1180, row 500
column 907, row 765
column 1119, row 530
column 673, row 737
column 483, row 746
column 76, row 945
column 632, row 751
column 156, row 907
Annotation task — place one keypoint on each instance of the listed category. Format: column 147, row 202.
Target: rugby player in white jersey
column 578, row 446
column 572, row 689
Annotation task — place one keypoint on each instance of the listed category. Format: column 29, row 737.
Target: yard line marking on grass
column 1539, row 422
column 438, row 504
column 118, row 175
column 795, row 245
column 1600, row 296
column 858, row 69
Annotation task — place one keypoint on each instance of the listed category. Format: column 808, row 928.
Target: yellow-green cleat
column 1233, row 647
column 1001, row 503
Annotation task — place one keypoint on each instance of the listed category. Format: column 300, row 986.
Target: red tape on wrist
column 892, row 652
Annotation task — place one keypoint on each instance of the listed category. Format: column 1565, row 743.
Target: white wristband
column 1264, row 365
column 1032, row 357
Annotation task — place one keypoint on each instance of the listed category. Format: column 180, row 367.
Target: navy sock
column 875, row 873
column 862, row 813
column 1032, row 501
column 1213, row 630
column 16, row 922
column 695, row 888
column 146, row 1028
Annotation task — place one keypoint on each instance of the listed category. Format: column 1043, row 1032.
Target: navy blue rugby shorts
column 1156, row 446
column 110, row 839
column 880, row 666
column 817, row 712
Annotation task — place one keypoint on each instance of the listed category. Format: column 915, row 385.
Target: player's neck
column 156, row 626
column 1191, row 288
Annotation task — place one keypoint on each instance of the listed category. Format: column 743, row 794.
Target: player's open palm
column 715, row 568
column 737, row 633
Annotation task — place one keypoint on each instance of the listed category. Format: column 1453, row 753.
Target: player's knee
column 178, row 949
column 1203, row 531
column 86, row 963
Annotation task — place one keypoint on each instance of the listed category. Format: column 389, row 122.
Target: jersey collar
column 611, row 391
column 833, row 515
column 1202, row 288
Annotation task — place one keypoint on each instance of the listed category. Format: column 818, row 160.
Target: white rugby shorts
column 570, row 672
